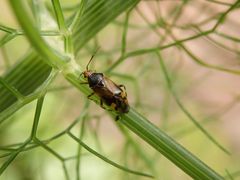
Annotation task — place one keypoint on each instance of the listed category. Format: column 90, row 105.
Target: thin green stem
column 138, row 150
column 106, row 159
column 59, row 15
column 124, row 34
column 65, row 171
column 200, row 62
column 223, row 16
column 63, row 27
column 50, row 56
column 13, row 156
column 36, row 140
column 79, row 150
column 183, row 108
column 154, row 49
column 37, row 116
column 219, row 2
column 77, row 18
column 7, row 29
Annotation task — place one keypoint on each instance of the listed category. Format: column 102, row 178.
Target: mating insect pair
column 110, row 93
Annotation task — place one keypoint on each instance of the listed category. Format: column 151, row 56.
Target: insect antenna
column 92, row 58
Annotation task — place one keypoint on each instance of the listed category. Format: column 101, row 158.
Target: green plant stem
column 11, row 89
column 59, row 15
column 51, row 56
column 14, row 154
column 133, row 120
column 37, row 117
column 78, row 16
column 167, row 146
column 158, row 140
column 81, row 134
column 68, row 45
column 124, row 33
column 184, row 109
column 154, row 49
column 105, row 159
column 223, row 16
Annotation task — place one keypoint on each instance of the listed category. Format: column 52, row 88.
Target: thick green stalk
column 168, row 146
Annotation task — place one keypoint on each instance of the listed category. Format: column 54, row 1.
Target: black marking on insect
column 110, row 93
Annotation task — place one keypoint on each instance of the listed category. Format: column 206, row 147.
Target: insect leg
column 117, row 117
column 101, row 104
column 90, row 95
column 108, row 109
column 121, row 85
column 79, row 79
column 80, row 75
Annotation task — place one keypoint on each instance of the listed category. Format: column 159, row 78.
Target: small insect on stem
column 110, row 93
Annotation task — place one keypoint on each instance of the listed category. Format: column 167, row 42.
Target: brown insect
column 110, row 93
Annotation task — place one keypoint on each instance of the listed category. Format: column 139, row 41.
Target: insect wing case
column 119, row 96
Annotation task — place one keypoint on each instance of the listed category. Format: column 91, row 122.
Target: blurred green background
column 211, row 95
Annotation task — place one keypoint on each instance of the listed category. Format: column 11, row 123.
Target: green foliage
column 56, row 51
